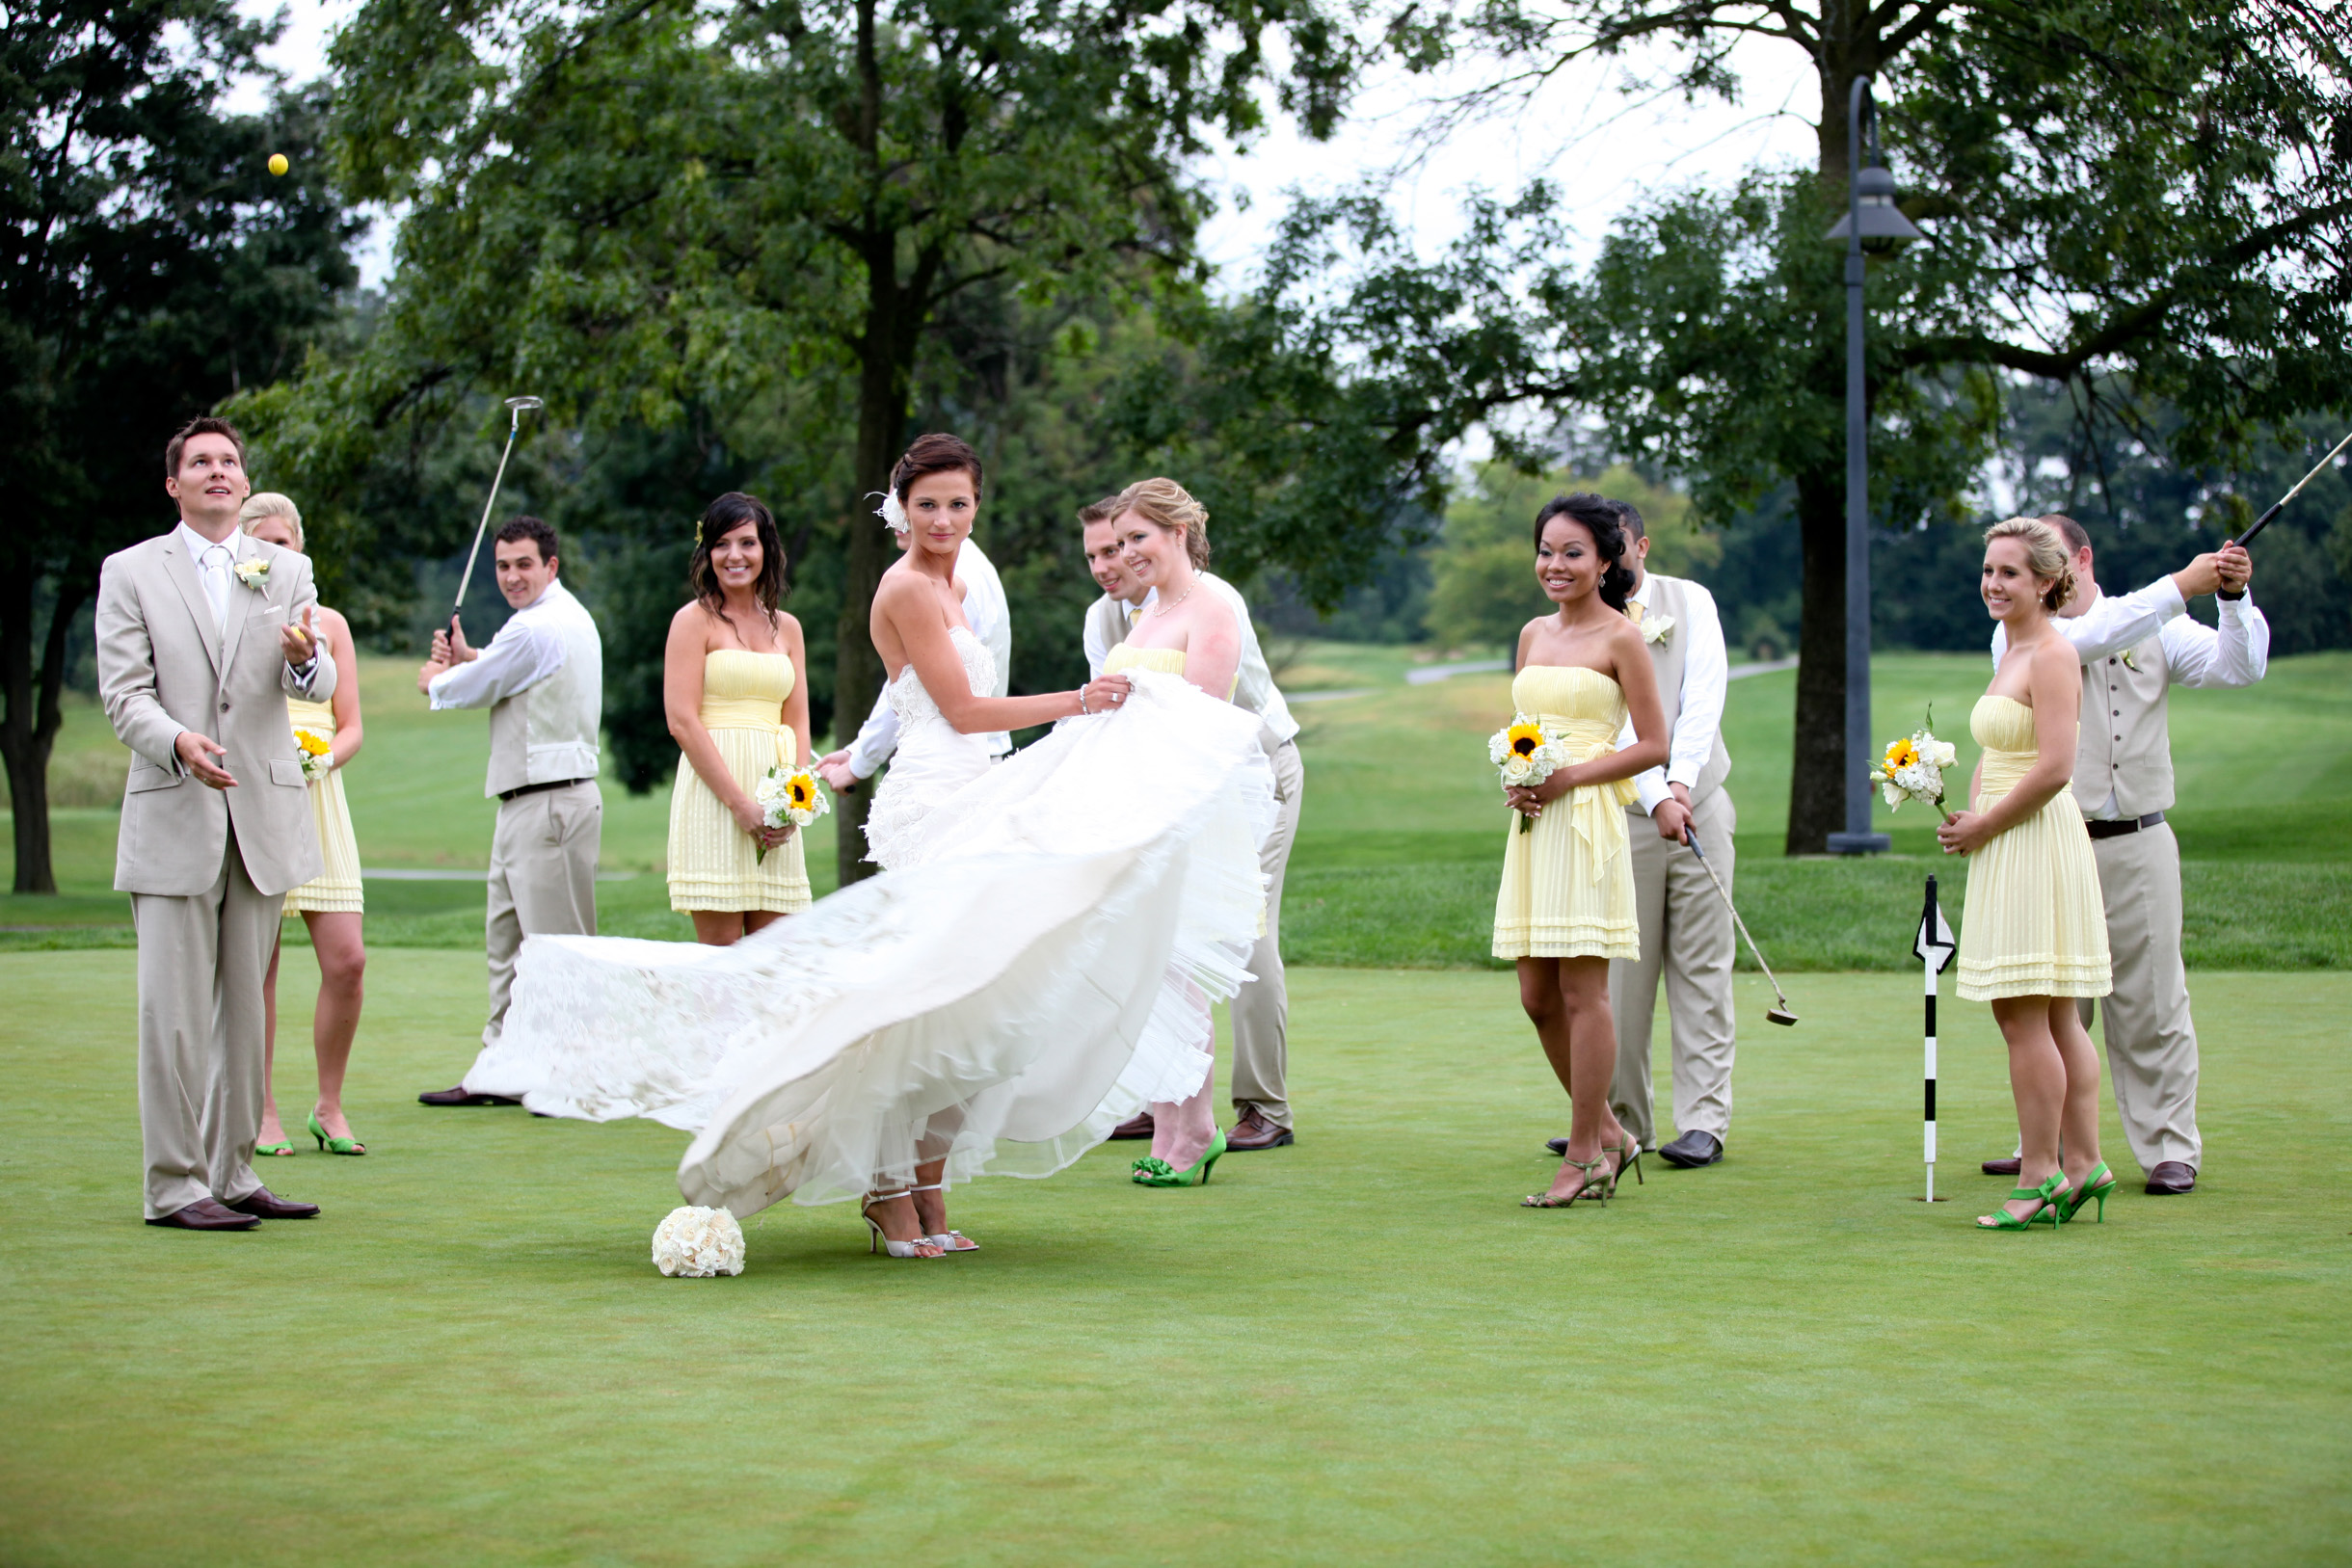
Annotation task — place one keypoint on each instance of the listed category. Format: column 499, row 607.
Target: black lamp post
column 1871, row 223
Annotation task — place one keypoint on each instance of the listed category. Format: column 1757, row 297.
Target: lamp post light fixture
column 1872, row 223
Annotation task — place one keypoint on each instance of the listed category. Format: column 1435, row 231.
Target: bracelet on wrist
column 2223, row 593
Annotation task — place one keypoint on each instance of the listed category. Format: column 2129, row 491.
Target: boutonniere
column 2131, row 661
column 1657, row 628
column 254, row 574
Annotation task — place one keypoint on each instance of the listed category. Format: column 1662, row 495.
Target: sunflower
column 1523, row 739
column 803, row 791
column 1901, row 755
column 311, row 742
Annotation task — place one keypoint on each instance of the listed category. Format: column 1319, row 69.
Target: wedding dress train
column 1010, row 988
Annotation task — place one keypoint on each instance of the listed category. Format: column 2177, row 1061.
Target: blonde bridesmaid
column 738, row 706
column 1566, row 906
column 2035, row 938
column 330, row 905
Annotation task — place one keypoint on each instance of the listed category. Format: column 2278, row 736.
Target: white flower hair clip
column 892, row 511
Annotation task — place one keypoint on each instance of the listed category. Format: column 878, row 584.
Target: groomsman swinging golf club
column 1684, row 913
column 2135, row 649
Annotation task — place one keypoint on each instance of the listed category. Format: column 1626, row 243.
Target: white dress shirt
column 521, row 657
column 1706, row 682
column 991, row 623
column 1097, row 646
column 2235, row 653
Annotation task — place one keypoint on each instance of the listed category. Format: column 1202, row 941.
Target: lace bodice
column 914, row 704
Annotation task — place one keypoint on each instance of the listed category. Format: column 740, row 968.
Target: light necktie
column 217, row 565
column 1634, row 611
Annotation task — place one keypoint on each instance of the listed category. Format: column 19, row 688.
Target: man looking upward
column 2135, row 649
column 542, row 680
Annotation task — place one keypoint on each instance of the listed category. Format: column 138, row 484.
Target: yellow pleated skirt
column 1568, row 882
column 338, row 890
column 714, row 865
column 2036, row 924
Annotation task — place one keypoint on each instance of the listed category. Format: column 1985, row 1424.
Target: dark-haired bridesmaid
column 738, row 706
column 1566, row 907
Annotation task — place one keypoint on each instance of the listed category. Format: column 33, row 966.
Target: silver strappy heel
column 896, row 1249
column 947, row 1241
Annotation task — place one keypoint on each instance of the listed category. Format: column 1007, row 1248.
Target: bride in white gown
column 1019, row 979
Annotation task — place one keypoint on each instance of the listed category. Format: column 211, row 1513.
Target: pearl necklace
column 1161, row 607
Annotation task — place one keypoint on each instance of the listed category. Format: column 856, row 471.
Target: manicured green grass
column 1353, row 1350
column 1399, row 843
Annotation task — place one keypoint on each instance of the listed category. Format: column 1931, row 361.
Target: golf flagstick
column 516, row 405
column 1935, row 948
column 1772, row 1015
column 2280, row 505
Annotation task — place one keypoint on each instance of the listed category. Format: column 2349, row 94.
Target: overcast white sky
column 1602, row 149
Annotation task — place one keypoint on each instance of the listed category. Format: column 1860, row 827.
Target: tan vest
column 2123, row 748
column 548, row 732
column 1671, row 595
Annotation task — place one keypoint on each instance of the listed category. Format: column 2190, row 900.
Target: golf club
column 2263, row 521
column 1773, row 1015
column 517, row 405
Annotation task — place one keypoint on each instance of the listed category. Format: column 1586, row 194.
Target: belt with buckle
column 2129, row 824
column 566, row 783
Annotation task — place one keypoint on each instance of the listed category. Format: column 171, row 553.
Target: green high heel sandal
column 1629, row 1156
column 2051, row 1189
column 281, row 1147
column 335, row 1146
column 2096, row 1184
column 1151, row 1171
column 1593, row 1186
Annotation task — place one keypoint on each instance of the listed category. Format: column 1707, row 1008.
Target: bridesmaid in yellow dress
column 1163, row 538
column 330, row 905
column 2035, row 934
column 730, row 684
column 1566, row 907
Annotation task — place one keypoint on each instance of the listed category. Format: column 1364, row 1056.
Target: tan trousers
column 200, row 963
column 2152, row 1042
column 1686, row 937
column 1262, row 1008
column 542, row 883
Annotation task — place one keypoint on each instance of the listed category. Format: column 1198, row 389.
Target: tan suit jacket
column 163, row 667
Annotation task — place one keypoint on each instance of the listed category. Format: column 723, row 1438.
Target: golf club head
column 523, row 405
column 1779, row 1015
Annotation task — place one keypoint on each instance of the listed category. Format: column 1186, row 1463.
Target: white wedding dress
column 1015, row 982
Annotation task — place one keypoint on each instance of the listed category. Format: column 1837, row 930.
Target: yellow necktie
column 1633, row 611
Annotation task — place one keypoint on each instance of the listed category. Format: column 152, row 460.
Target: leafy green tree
column 629, row 208
column 152, row 266
column 2146, row 200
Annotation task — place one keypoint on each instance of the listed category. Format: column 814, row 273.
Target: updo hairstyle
column 2046, row 556
column 1169, row 507
column 935, row 453
column 269, row 503
column 1599, row 516
column 729, row 512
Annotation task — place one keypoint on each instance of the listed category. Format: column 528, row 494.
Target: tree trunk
column 1817, row 767
column 882, row 410
column 28, row 728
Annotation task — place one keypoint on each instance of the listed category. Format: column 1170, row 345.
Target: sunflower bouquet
column 1913, row 769
column 794, row 797
column 317, row 755
column 1524, row 757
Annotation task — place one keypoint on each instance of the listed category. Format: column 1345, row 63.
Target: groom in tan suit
column 203, row 633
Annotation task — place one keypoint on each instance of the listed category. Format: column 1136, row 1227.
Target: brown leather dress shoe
column 461, row 1095
column 263, row 1204
column 1135, row 1127
column 2003, row 1167
column 2171, row 1176
column 1254, row 1131
column 205, row 1215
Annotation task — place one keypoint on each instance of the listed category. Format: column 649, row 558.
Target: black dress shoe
column 2171, row 1176
column 263, row 1204
column 2003, row 1167
column 1691, row 1150
column 461, row 1095
column 207, row 1215
column 1558, row 1145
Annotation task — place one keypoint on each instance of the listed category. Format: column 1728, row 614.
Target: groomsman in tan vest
column 1686, row 932
column 204, row 632
column 1262, row 1008
column 542, row 680
column 2136, row 649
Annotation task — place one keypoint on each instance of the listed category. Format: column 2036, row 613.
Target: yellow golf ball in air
column 278, row 163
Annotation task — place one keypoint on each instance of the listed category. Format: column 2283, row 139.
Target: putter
column 1773, row 1015
column 2263, row 521
column 519, row 406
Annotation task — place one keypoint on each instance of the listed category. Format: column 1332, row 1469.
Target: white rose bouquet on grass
column 698, row 1244
column 1524, row 757
column 1913, row 769
column 796, row 797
